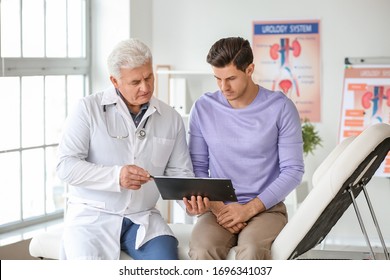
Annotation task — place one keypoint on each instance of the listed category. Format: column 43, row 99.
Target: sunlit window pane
column 32, row 111
column 33, row 28
column 33, row 183
column 54, row 187
column 55, row 102
column 76, row 28
column 10, row 113
column 35, row 103
column 10, row 28
column 10, row 187
column 75, row 90
column 55, row 28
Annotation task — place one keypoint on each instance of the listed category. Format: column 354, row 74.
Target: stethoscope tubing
column 141, row 133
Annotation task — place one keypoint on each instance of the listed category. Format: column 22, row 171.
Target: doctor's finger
column 132, row 186
column 139, row 178
column 138, row 171
column 132, row 180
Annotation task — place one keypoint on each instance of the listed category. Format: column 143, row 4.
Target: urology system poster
column 287, row 58
column 366, row 101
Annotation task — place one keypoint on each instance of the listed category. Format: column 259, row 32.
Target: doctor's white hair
column 130, row 53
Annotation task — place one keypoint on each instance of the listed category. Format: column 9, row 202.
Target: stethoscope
column 141, row 134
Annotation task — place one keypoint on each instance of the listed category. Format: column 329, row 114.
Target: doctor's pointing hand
column 132, row 177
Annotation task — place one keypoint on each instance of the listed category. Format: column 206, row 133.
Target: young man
column 112, row 142
column 253, row 136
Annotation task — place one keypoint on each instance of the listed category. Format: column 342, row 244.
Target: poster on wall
column 366, row 101
column 287, row 58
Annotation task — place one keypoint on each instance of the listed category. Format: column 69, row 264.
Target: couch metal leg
column 363, row 228
column 376, row 223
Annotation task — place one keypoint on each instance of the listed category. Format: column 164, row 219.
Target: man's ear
column 250, row 69
column 114, row 81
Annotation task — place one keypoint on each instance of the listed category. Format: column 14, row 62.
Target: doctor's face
column 136, row 85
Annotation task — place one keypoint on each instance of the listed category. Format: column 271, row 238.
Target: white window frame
column 46, row 66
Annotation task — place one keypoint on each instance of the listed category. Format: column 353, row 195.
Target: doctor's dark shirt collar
column 136, row 117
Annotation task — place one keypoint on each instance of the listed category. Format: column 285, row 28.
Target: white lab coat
column 90, row 160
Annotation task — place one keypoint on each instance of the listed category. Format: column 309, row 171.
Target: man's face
column 136, row 84
column 233, row 82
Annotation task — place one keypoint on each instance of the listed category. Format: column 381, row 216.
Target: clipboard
column 175, row 188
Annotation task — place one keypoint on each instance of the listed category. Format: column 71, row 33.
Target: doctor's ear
column 114, row 81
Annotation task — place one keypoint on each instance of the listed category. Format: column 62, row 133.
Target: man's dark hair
column 234, row 50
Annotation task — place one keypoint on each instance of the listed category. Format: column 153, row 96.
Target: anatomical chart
column 366, row 101
column 287, row 59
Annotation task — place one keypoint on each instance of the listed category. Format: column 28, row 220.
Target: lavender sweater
column 259, row 147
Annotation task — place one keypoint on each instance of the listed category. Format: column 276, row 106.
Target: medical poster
column 287, row 58
column 366, row 101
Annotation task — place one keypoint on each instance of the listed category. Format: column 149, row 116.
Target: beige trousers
column 210, row 241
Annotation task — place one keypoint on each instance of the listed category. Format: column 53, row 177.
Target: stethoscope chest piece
column 141, row 134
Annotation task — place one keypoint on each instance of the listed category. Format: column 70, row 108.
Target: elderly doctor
column 111, row 144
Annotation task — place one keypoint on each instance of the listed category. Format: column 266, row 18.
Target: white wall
column 141, row 20
column 110, row 24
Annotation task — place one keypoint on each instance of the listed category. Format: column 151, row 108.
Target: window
column 44, row 70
